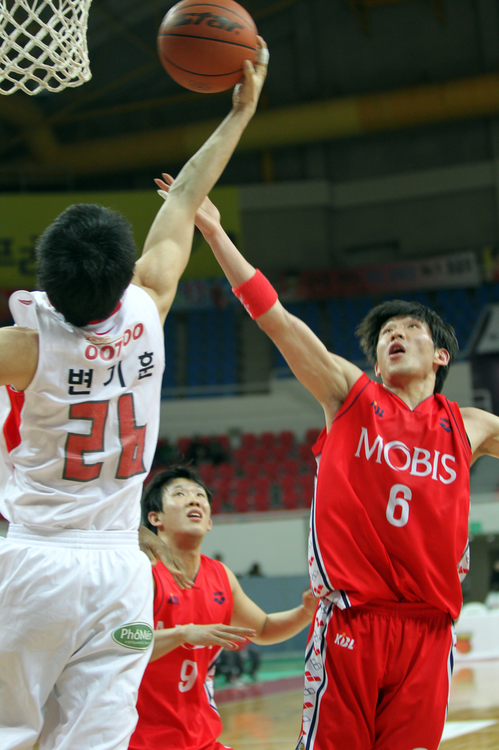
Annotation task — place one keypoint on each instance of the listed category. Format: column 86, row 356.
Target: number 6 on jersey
column 397, row 510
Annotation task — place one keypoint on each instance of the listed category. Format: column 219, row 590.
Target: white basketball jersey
column 82, row 436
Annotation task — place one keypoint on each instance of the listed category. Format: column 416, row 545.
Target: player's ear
column 210, row 524
column 153, row 518
column 377, row 370
column 442, row 357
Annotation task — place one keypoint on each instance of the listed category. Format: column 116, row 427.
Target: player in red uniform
column 389, row 524
column 176, row 707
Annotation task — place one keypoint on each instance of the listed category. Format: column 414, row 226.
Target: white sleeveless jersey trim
column 89, row 419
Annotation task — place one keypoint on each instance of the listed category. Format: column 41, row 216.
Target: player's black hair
column 152, row 498
column 85, row 261
column 442, row 333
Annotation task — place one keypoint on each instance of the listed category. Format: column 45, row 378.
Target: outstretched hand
column 156, row 550
column 217, row 634
column 246, row 93
column 207, row 217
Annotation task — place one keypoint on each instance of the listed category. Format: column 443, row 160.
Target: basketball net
column 43, row 45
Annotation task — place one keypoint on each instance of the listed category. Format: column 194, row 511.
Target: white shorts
column 75, row 634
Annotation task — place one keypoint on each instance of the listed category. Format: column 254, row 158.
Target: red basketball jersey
column 390, row 514
column 176, row 707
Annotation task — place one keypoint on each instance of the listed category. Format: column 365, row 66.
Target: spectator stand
column 270, row 471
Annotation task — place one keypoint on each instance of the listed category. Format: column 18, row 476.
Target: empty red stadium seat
column 261, row 493
column 291, row 500
column 224, row 442
column 225, row 471
column 241, row 503
column 280, row 452
column 221, row 490
column 207, row 473
column 267, row 439
column 290, row 467
column 248, row 440
column 261, row 453
column 183, row 445
column 288, row 483
column 312, row 434
column 306, row 489
column 240, row 455
column 216, row 505
column 286, row 438
column 239, row 494
column 269, row 469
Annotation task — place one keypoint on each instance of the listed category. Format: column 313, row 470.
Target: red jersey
column 175, row 705
column 390, row 514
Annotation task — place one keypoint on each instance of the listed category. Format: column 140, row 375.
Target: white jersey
column 82, row 436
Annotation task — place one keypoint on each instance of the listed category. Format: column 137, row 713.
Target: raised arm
column 273, row 628
column 482, row 429
column 327, row 376
column 168, row 244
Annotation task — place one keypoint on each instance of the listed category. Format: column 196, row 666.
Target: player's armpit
column 482, row 429
column 18, row 356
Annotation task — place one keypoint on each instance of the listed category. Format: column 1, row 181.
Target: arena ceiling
column 339, row 68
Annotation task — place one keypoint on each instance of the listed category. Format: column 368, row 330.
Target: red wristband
column 257, row 294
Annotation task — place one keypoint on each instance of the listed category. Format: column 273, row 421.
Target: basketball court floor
column 266, row 715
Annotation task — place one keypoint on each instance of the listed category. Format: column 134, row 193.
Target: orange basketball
column 202, row 46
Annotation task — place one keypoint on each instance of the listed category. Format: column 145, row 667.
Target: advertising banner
column 443, row 272
column 24, row 216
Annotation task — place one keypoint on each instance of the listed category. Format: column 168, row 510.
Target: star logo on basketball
column 209, row 19
column 203, row 49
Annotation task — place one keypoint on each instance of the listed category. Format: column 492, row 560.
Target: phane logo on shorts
column 136, row 635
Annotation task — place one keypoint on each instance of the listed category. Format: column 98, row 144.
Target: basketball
column 202, row 45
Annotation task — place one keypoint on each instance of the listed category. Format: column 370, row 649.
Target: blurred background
column 370, row 171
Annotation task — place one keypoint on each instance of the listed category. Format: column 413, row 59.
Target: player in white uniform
column 83, row 371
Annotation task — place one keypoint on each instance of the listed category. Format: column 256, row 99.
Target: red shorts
column 377, row 676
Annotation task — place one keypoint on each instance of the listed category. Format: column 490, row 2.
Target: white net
column 43, row 45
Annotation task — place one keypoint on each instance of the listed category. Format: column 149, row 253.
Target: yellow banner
column 24, row 216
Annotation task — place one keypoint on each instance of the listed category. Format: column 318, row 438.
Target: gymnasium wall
column 275, row 540
column 318, row 224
